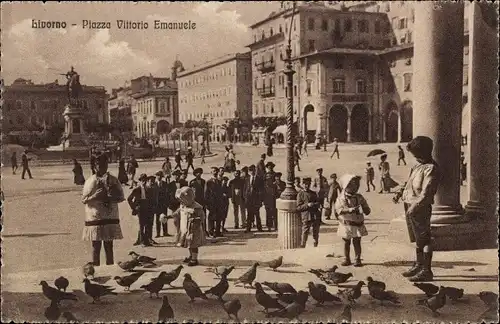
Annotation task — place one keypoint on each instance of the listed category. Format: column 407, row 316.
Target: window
column 359, row 65
column 388, row 27
column 402, row 23
column 377, row 27
column 407, row 81
column 271, row 32
column 256, row 83
column 286, row 92
column 466, row 50
column 409, row 37
column 338, row 86
column 308, row 87
column 295, row 90
column 363, row 26
column 465, row 80
column 348, row 25
column 337, row 24
column 466, row 25
column 263, row 35
column 264, row 109
column 394, row 22
column 272, row 108
column 280, row 29
column 360, row 86
column 412, row 15
column 324, row 24
column 310, row 24
column 162, row 107
column 311, row 45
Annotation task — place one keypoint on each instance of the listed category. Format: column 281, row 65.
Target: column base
column 475, row 209
column 470, row 234
column 289, row 224
column 444, row 214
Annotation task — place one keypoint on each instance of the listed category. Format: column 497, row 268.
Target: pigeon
column 428, row 288
column 88, row 270
column 331, row 277
column 374, row 284
column 70, row 317
column 435, row 302
column 166, row 312
column 280, row 287
column 192, row 289
column 219, row 289
column 453, row 293
column 489, row 298
column 354, row 293
column 61, row 283
column 276, row 263
column 265, row 300
column 142, row 258
column 129, row 265
column 97, row 291
column 232, row 307
column 346, row 315
column 127, row 281
column 52, row 313
column 384, row 295
column 168, row 277
column 154, row 286
column 248, row 277
column 293, row 310
column 219, row 271
column 287, row 298
column 55, row 295
column 321, row 295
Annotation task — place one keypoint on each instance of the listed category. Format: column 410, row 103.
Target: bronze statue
column 73, row 85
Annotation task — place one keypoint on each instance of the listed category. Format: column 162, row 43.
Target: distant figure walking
column 132, row 166
column 335, row 149
column 304, row 148
column 401, row 155
column 386, row 182
column 25, row 164
column 13, row 162
column 122, row 172
column 370, row 176
column 78, row 177
column 463, row 168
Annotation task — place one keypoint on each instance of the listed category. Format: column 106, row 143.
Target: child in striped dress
column 351, row 208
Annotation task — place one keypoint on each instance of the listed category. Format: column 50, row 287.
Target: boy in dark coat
column 142, row 201
column 163, row 196
column 309, row 207
column 213, row 198
column 270, row 192
column 236, row 187
column 198, row 184
column 189, row 158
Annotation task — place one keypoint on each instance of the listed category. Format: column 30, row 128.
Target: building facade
column 353, row 69
column 217, row 91
column 29, row 106
column 155, row 107
column 120, row 109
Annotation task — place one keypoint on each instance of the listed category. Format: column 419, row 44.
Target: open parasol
column 376, row 152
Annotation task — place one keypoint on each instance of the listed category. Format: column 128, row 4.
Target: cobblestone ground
column 44, row 216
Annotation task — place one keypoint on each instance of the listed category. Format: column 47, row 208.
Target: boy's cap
column 143, row 177
column 263, row 156
column 215, row 169
column 251, row 168
column 244, row 169
column 333, row 175
column 278, row 174
column 319, row 169
column 198, row 171
column 159, row 173
column 270, row 165
column 306, row 179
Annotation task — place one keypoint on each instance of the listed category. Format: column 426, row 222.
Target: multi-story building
column 217, row 91
column 120, row 109
column 353, row 64
column 154, row 106
column 30, row 106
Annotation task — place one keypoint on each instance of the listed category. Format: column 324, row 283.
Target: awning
column 280, row 130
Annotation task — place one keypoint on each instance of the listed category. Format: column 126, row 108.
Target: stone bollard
column 289, row 224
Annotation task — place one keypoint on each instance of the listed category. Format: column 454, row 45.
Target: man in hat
column 280, row 184
column 418, row 197
column 236, row 186
column 253, row 198
column 178, row 159
column 213, row 197
column 401, row 155
column 163, row 196
column 190, row 158
column 142, row 201
column 25, row 164
column 202, row 153
column 320, row 185
column 198, row 185
column 370, row 176
column 220, row 175
column 296, row 158
column 297, row 184
column 132, row 166
column 174, row 204
column 183, row 180
column 154, row 189
column 335, row 149
column 261, row 166
column 333, row 192
column 270, row 193
column 309, row 207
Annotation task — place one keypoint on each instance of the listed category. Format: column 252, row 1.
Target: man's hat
column 237, row 171
column 306, row 179
column 333, row 175
column 270, row 165
column 176, row 173
column 215, row 169
column 244, row 169
column 225, row 178
column 198, row 171
column 319, row 169
column 263, row 156
column 222, row 169
column 278, row 174
column 143, row 177
column 151, row 178
column 251, row 168
column 159, row 173
column 102, row 158
column 368, row 162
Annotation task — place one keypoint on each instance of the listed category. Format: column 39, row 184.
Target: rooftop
column 214, row 62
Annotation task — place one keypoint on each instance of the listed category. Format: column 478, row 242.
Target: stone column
column 482, row 172
column 349, row 125
column 370, row 127
column 438, row 53
column 384, row 127
column 290, row 224
column 400, row 124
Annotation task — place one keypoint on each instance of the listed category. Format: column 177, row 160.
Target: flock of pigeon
column 287, row 303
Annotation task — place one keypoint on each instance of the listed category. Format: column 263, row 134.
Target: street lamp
column 207, row 131
column 289, row 222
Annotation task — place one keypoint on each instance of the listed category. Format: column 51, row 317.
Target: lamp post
column 289, row 222
column 207, row 132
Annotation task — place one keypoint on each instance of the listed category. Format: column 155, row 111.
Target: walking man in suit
column 269, row 198
column 25, row 164
column 253, row 198
column 310, row 210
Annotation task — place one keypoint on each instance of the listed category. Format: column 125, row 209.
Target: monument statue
column 73, row 85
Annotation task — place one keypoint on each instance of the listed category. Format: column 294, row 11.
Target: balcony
column 350, row 97
column 262, row 40
column 266, row 66
column 266, row 92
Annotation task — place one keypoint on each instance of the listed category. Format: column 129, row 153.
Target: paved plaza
column 42, row 240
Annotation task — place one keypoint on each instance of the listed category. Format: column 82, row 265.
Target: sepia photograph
column 249, row 161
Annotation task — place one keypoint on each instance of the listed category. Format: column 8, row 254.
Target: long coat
column 253, row 193
column 308, row 213
column 198, row 186
column 213, row 194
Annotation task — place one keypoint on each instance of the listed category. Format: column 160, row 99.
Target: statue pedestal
column 73, row 128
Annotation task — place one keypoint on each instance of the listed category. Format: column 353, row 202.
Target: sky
column 110, row 57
